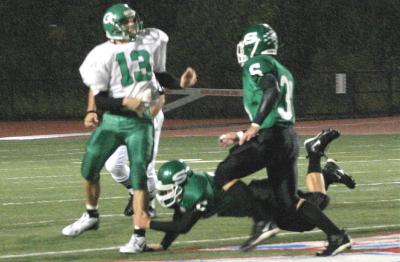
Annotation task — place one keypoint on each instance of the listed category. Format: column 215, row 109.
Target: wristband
column 90, row 111
column 255, row 125
column 240, row 134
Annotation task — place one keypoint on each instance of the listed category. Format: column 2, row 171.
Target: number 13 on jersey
column 142, row 57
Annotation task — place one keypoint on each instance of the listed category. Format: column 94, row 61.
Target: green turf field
column 41, row 192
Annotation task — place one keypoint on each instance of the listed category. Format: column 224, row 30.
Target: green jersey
column 282, row 113
column 201, row 194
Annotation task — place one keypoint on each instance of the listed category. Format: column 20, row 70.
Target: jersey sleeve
column 94, row 72
column 160, row 54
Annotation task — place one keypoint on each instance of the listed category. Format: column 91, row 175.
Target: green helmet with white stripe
column 257, row 40
column 171, row 177
column 120, row 22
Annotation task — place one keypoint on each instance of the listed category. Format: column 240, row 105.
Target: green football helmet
column 257, row 39
column 171, row 177
column 120, row 22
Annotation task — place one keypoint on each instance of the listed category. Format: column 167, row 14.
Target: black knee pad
column 318, row 199
column 325, row 202
column 221, row 176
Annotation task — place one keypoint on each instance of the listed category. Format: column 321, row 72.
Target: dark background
column 43, row 43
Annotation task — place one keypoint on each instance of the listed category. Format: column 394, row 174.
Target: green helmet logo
column 259, row 39
column 120, row 22
column 171, row 177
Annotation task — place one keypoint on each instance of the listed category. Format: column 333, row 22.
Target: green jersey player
column 270, row 142
column 194, row 195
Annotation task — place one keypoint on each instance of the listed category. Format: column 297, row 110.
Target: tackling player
column 194, row 195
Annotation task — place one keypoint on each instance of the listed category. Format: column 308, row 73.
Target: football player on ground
column 120, row 74
column 194, row 195
column 270, row 142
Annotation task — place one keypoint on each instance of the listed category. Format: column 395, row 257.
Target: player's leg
column 151, row 172
column 151, row 169
column 242, row 161
column 99, row 147
column 334, row 174
column 117, row 166
column 139, row 141
column 338, row 240
column 315, row 148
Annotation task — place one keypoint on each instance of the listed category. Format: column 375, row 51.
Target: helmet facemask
column 171, row 177
column 241, row 56
column 168, row 195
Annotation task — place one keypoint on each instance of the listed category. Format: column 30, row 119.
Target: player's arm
column 271, row 93
column 106, row 103
column 188, row 79
column 180, row 224
column 269, row 85
column 91, row 118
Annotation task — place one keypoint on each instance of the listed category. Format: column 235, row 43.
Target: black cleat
column 333, row 173
column 318, row 143
column 152, row 212
column 128, row 209
column 262, row 230
column 336, row 244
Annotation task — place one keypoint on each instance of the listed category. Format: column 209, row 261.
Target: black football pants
column 275, row 149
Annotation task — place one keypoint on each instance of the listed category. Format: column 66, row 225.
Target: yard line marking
column 122, row 197
column 72, row 219
column 55, row 201
column 28, row 177
column 86, row 250
column 13, row 138
column 370, row 201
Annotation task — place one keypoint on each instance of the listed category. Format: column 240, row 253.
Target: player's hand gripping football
column 249, row 134
column 228, row 139
column 188, row 78
column 134, row 104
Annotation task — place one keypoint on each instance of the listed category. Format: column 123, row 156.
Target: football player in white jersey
column 116, row 165
column 120, row 74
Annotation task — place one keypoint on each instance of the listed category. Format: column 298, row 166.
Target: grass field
column 41, row 192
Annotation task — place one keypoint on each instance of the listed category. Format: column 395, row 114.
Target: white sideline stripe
column 86, row 250
column 10, row 138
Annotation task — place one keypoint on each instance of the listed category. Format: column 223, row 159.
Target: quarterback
column 120, row 74
column 116, row 164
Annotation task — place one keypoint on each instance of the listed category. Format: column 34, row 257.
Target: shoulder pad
column 155, row 34
column 194, row 191
column 259, row 65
